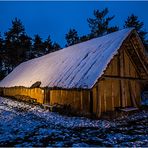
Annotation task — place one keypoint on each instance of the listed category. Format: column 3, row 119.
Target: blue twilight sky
column 55, row 18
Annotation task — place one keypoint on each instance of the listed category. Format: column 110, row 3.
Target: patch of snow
column 26, row 125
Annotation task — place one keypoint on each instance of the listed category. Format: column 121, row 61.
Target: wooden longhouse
column 95, row 76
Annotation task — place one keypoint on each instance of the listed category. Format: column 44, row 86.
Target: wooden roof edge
column 120, row 49
column 142, row 45
column 142, row 52
column 139, row 40
column 49, row 88
column 144, row 55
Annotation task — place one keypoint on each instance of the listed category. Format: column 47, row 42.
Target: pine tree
column 9, row 60
column 132, row 21
column 85, row 38
column 55, row 47
column 112, row 29
column 13, row 43
column 26, row 45
column 2, row 58
column 72, row 37
column 15, row 31
column 2, row 71
column 99, row 25
column 48, row 45
column 38, row 46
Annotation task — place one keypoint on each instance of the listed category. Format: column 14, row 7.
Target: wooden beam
column 122, row 75
column 131, row 60
column 146, row 70
column 118, row 69
column 138, row 41
column 99, row 100
column 122, row 78
column 81, row 94
column 133, row 96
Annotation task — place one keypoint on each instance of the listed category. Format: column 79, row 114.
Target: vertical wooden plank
column 74, row 101
column 104, row 84
column 107, row 95
column 62, row 99
column 95, row 99
column 132, row 84
column 119, row 95
column 128, row 81
column 125, row 60
column 108, row 89
column 81, row 97
column 122, row 81
column 112, row 95
column 126, row 64
column 6, row 91
column 86, row 99
column 99, row 101
column 51, row 97
column 101, row 95
column 113, row 71
column 116, row 83
column 128, row 94
column 89, row 100
column 138, row 90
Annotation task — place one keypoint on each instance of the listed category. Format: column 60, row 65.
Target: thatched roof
column 77, row 66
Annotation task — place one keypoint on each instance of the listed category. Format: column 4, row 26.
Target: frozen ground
column 22, row 124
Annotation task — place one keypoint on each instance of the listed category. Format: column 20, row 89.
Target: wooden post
column 112, row 86
column 122, row 81
column 96, row 105
column 91, row 101
column 99, row 99
column 112, row 92
column 133, row 95
column 81, row 91
column 104, row 96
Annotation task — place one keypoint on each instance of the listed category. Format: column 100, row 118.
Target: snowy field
column 23, row 124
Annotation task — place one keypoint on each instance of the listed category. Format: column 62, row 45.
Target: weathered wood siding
column 36, row 93
column 109, row 93
column 1, row 91
column 118, row 87
column 77, row 99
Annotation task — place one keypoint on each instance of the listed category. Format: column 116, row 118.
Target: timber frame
column 119, row 86
column 128, row 85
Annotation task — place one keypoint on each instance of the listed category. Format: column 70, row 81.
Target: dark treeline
column 16, row 46
column 99, row 25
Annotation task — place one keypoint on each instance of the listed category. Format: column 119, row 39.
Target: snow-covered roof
column 77, row 66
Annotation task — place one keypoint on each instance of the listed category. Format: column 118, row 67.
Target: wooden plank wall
column 107, row 93
column 36, row 93
column 111, row 93
column 77, row 99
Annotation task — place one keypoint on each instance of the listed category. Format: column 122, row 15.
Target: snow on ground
column 24, row 124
